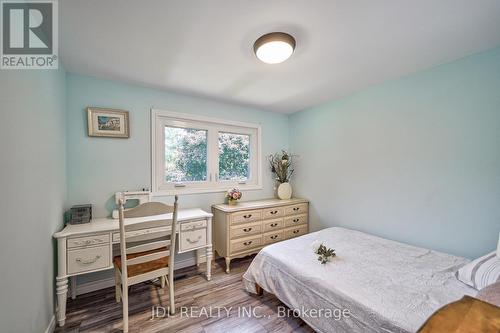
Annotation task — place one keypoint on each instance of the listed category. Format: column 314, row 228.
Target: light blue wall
column 415, row 159
column 98, row 167
column 33, row 190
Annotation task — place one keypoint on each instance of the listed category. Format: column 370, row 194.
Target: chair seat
column 145, row 267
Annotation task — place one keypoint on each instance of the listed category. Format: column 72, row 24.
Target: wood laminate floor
column 99, row 312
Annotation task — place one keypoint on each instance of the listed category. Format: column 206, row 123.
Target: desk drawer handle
column 273, row 225
column 87, row 261
column 296, row 231
column 89, row 241
column 247, row 216
column 296, row 209
column 194, row 241
column 274, row 212
column 247, row 229
column 296, row 220
column 274, row 236
column 247, row 243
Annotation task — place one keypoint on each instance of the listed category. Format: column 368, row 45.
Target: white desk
column 88, row 248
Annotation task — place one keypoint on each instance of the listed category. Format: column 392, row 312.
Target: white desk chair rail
column 145, row 255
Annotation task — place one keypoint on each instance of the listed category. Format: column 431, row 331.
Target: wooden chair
column 147, row 250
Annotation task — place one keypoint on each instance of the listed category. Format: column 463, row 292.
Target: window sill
column 181, row 191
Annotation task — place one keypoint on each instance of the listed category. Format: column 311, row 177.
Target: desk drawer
column 192, row 239
column 271, row 213
column 291, row 221
column 246, row 216
column 244, row 244
column 193, row 225
column 296, row 209
column 271, row 225
column 88, row 259
column 296, row 231
column 246, row 230
column 272, row 237
column 87, row 241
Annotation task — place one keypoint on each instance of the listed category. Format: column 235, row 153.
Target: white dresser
column 247, row 227
column 87, row 248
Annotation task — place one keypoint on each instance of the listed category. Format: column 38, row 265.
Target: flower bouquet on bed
column 324, row 253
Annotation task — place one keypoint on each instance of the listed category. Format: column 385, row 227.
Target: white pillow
column 481, row 272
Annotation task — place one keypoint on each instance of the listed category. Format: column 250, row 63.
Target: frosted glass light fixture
column 274, row 47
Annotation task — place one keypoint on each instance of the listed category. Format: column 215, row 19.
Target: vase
column 232, row 202
column 285, row 191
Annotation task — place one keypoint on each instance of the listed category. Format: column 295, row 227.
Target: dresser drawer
column 291, row 221
column 246, row 230
column 270, row 225
column 270, row 213
column 272, row 237
column 89, row 240
column 244, row 244
column 88, row 259
column 295, row 231
column 296, row 209
column 192, row 239
column 246, row 216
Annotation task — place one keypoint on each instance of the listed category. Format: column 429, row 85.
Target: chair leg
column 118, row 287
column 162, row 281
column 171, row 296
column 125, row 309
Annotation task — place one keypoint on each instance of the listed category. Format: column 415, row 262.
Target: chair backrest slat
column 148, row 209
column 148, row 257
column 148, row 224
column 148, row 246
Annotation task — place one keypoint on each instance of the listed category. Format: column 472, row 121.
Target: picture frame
column 109, row 123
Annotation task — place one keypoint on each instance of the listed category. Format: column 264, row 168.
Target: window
column 192, row 154
column 185, row 155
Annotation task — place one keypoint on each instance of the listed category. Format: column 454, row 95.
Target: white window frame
column 161, row 118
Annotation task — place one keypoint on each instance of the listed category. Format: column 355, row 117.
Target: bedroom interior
column 264, row 166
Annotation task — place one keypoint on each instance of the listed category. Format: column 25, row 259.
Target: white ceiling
column 204, row 48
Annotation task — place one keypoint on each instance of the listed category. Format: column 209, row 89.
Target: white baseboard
column 88, row 287
column 52, row 325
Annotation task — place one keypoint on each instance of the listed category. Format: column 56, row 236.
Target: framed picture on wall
column 109, row 123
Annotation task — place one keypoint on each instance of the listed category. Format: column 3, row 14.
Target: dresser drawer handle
column 274, row 212
column 194, row 241
column 274, row 225
column 296, row 220
column 296, row 209
column 247, row 243
column 274, row 236
column 296, row 231
column 247, row 216
column 247, row 229
column 87, row 261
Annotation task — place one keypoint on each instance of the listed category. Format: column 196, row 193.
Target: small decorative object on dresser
column 107, row 123
column 281, row 166
column 245, row 229
column 233, row 196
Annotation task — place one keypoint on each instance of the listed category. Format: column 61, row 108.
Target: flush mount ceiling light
column 274, row 47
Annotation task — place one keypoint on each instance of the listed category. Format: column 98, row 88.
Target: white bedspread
column 386, row 286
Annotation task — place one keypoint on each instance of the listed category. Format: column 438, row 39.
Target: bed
column 386, row 286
